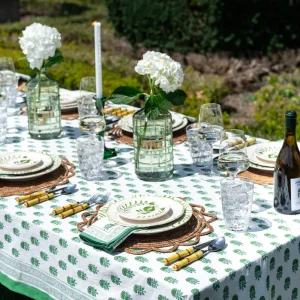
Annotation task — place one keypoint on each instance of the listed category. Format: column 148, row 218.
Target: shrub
column 208, row 25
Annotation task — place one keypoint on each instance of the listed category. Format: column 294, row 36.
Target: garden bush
column 208, row 25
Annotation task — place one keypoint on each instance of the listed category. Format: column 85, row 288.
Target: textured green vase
column 153, row 146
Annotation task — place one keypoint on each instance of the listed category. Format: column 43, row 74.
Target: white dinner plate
column 18, row 161
column 56, row 163
column 257, row 164
column 40, row 161
column 188, row 212
column 268, row 152
column 68, row 108
column 143, row 208
column 176, row 211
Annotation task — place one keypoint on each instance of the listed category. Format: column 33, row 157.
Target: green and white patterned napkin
column 105, row 235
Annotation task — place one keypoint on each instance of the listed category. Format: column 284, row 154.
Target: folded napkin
column 105, row 235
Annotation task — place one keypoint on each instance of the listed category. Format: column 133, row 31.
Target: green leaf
column 56, row 59
column 177, row 97
column 124, row 95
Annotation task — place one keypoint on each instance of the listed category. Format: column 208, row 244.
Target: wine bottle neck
column 290, row 133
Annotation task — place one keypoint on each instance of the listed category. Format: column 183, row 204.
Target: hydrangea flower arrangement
column 165, row 77
column 40, row 44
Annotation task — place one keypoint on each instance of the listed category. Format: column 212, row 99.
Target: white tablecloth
column 43, row 257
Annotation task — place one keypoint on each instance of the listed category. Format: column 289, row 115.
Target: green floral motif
column 210, row 270
column 250, row 235
column 138, row 289
column 121, row 259
column 15, row 252
column 145, row 269
column 141, row 259
column 189, row 269
column 205, row 260
column 231, row 273
column 257, row 272
column 271, row 236
column 294, row 294
column 63, row 243
column 25, row 225
column 268, row 282
column 44, row 235
column 1, row 245
column 25, row 246
column 287, row 283
column 279, row 273
column 272, row 263
column 53, row 249
column 171, row 280
column 160, row 259
column 177, row 294
column 291, row 237
column 16, row 231
column 104, row 262
column 53, row 271
column 284, row 228
column 1, row 226
column 57, row 230
column 125, row 296
column 252, row 293
column 44, row 256
column 167, row 269
column 104, row 284
column 160, row 297
column 127, row 272
column 216, row 283
column 295, row 265
column 273, row 291
column 62, row 265
column 83, row 253
column 72, row 259
column 257, row 244
column 92, row 291
column 93, row 268
column 152, row 282
column 8, row 238
column 247, row 263
column 34, row 241
column 242, row 282
column 76, row 239
column 71, row 281
column 8, row 218
column 286, row 254
column 192, row 280
column 239, row 252
column 115, row 279
column 263, row 254
column 37, row 222
column 34, row 261
column 39, row 214
column 82, row 275
column 3, row 206
column 226, row 293
column 277, row 245
column 236, row 243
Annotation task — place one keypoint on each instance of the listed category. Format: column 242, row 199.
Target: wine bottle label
column 295, row 194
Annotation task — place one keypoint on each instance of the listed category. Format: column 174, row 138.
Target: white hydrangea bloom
column 166, row 73
column 38, row 43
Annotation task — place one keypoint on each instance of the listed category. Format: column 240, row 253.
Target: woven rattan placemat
column 187, row 235
column 258, row 176
column 58, row 177
column 123, row 137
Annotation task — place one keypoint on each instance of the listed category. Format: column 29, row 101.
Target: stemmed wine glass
column 233, row 152
column 210, row 126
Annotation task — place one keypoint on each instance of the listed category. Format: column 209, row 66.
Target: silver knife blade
column 203, row 245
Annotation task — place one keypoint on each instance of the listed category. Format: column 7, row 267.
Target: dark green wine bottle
column 287, row 170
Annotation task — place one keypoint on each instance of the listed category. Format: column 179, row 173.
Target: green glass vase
column 43, row 105
column 153, row 146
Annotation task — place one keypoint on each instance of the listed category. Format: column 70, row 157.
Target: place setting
column 29, row 171
column 143, row 223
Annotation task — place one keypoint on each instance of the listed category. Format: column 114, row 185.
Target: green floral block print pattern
column 39, row 249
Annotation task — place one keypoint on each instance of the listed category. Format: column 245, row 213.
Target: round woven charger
column 258, row 176
column 123, row 137
column 59, row 176
column 189, row 233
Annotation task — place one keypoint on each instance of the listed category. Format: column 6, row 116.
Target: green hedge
column 208, row 25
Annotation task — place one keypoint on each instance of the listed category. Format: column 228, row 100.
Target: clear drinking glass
column 7, row 70
column 90, row 156
column 87, row 91
column 233, row 152
column 237, row 198
column 210, row 126
column 200, row 150
column 3, row 113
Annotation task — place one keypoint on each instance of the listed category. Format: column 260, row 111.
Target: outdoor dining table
column 42, row 256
